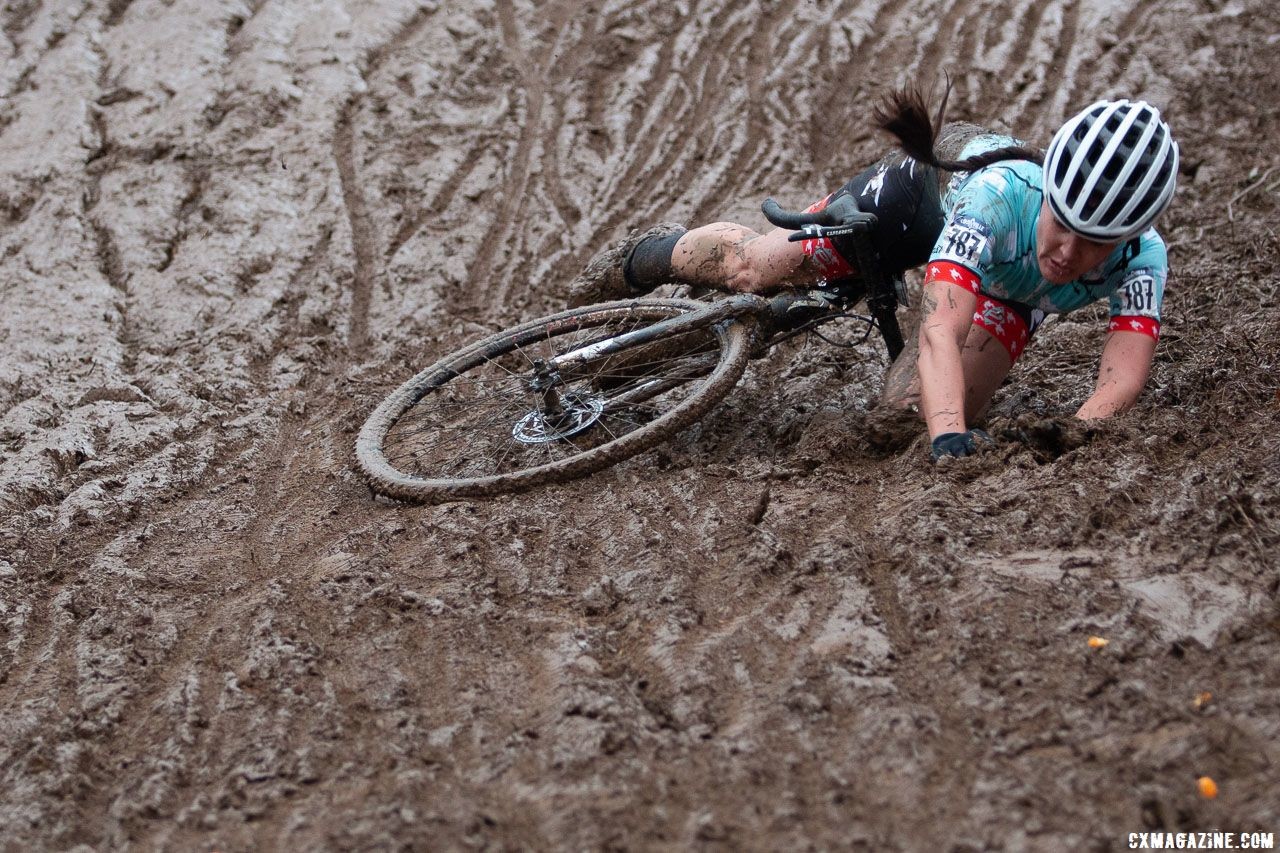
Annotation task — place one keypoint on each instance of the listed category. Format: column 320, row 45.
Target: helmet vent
column 1111, row 170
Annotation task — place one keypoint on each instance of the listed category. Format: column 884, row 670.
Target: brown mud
column 227, row 228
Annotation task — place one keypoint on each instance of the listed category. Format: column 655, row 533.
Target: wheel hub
column 577, row 412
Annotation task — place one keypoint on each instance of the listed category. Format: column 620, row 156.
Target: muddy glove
column 959, row 443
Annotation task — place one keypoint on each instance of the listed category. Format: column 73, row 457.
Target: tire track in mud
column 52, row 639
column 662, row 166
column 711, row 89
column 19, row 17
column 971, row 76
column 763, row 36
column 951, row 784
column 1115, row 46
column 294, row 296
column 197, row 178
column 364, row 237
column 545, row 179
column 674, row 655
column 942, row 49
column 43, row 655
column 22, row 81
column 631, row 190
column 433, row 209
column 364, row 231
column 865, row 54
column 116, row 10
column 1034, row 109
column 110, row 264
column 200, row 635
column 417, row 216
column 535, row 72
column 952, row 47
column 1014, row 67
column 737, row 654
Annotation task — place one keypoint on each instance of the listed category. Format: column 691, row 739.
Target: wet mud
column 228, row 228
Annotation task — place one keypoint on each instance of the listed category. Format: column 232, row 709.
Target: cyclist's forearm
column 1122, row 374
column 941, row 379
column 1104, row 404
column 946, row 315
column 1111, row 397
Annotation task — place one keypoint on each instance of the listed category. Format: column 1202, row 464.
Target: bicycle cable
column 812, row 325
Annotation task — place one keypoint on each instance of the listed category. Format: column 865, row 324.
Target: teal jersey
column 990, row 232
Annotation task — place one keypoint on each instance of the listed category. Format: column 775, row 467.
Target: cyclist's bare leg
column 985, row 362
column 727, row 256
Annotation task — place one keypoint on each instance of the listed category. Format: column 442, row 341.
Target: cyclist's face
column 1063, row 254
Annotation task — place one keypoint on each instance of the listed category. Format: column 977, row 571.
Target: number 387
column 1140, row 294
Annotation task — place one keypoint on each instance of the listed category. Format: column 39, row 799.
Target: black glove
column 959, row 443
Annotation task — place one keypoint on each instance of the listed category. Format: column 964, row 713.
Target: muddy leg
column 902, row 382
column 732, row 257
column 986, row 364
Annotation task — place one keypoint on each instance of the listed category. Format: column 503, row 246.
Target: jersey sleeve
column 1138, row 294
column 966, row 248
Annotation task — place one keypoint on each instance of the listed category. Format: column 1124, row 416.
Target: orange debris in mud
column 1208, row 787
column 1202, row 699
column 1097, row 642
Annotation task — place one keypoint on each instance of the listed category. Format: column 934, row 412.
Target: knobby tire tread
column 385, row 479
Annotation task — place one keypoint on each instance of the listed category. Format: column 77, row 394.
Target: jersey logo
column 993, row 316
column 963, row 241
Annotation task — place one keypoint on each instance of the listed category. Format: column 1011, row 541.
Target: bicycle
column 572, row 393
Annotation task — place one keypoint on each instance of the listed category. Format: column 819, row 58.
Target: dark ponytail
column 903, row 113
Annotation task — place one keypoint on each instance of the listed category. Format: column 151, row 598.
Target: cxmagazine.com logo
column 1202, row 841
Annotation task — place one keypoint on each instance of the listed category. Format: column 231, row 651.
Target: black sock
column 649, row 263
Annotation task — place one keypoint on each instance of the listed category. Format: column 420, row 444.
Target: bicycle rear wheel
column 478, row 422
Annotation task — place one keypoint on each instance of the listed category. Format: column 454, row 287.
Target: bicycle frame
column 780, row 314
column 776, row 318
column 735, row 307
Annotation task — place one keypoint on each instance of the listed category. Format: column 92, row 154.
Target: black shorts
column 904, row 196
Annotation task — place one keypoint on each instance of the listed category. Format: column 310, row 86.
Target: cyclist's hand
column 960, row 443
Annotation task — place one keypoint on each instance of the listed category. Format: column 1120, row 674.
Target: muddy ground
column 227, row 228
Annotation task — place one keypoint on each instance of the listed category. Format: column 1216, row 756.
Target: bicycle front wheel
column 548, row 401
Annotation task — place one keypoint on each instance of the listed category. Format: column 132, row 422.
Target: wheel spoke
column 456, row 432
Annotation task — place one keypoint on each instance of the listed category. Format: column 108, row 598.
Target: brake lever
column 807, row 232
column 853, row 223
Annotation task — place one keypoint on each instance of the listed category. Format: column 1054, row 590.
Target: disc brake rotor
column 578, row 412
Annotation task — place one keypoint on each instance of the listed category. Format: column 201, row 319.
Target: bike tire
column 728, row 342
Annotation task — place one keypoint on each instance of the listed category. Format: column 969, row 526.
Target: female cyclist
column 1015, row 235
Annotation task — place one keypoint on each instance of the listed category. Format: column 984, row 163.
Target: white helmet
column 1110, row 170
